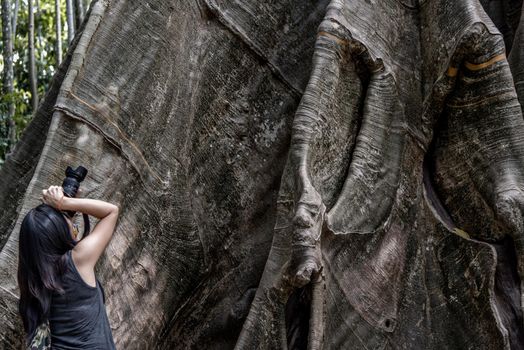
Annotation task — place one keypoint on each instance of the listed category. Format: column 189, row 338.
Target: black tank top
column 78, row 318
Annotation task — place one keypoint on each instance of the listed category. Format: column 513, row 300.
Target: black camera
column 70, row 187
column 72, row 183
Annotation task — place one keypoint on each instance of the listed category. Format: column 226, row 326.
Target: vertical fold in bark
column 479, row 154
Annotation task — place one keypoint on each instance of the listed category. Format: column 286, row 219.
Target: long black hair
column 44, row 239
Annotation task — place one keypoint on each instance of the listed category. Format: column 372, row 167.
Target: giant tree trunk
column 343, row 174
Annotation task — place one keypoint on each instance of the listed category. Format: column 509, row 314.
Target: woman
column 56, row 272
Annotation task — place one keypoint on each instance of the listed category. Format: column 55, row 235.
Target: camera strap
column 86, row 225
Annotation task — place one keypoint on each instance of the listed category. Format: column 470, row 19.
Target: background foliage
column 45, row 58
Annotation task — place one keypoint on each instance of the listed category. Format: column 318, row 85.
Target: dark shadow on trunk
column 298, row 311
column 507, row 296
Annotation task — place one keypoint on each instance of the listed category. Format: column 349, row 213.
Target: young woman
column 56, row 272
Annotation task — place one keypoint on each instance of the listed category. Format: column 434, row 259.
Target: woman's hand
column 53, row 196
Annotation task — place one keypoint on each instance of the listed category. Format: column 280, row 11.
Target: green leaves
column 45, row 57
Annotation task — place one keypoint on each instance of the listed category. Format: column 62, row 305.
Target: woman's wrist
column 63, row 204
column 60, row 203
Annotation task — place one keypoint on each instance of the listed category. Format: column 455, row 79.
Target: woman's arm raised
column 89, row 249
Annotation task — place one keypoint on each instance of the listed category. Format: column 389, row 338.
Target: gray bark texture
column 291, row 174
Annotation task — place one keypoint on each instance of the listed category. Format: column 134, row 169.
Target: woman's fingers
column 53, row 193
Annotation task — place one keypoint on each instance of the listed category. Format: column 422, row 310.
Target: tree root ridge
column 402, row 224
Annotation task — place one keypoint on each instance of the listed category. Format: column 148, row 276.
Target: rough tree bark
column 329, row 174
